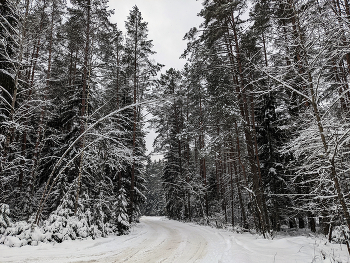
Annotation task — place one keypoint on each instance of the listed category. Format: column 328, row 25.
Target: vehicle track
column 162, row 242
column 153, row 240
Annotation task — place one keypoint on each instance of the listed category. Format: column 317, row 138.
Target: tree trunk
column 18, row 72
column 83, row 123
column 134, row 128
column 231, row 185
column 249, row 142
column 43, row 110
column 240, row 199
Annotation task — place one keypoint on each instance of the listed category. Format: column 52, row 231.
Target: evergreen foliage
column 254, row 129
column 65, row 166
column 264, row 126
column 155, row 199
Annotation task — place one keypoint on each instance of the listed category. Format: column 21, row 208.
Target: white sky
column 168, row 22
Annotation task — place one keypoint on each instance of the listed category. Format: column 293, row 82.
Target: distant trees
column 169, row 122
column 155, row 202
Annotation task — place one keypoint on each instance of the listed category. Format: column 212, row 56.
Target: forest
column 254, row 129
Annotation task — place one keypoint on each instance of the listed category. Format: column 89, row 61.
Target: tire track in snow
column 163, row 242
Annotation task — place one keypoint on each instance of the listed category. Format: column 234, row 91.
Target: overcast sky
column 168, row 22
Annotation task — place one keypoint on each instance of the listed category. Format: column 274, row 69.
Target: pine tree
column 139, row 73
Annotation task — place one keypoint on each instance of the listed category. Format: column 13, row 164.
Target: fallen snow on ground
column 157, row 239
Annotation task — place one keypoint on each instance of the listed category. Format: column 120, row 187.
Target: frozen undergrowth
column 340, row 234
column 60, row 226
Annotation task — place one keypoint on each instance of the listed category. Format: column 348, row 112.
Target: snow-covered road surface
column 157, row 239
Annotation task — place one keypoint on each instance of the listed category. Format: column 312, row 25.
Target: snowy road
column 162, row 241
column 157, row 239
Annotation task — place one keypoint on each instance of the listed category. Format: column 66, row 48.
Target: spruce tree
column 139, row 73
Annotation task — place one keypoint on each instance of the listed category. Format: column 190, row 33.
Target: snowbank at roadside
column 60, row 226
column 221, row 246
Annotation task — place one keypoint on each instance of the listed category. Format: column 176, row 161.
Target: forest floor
column 157, row 239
